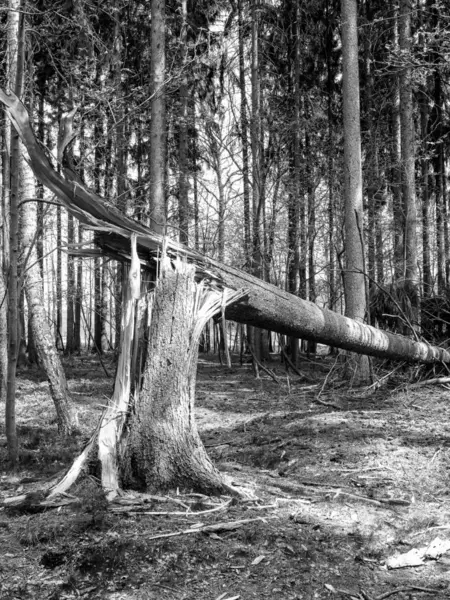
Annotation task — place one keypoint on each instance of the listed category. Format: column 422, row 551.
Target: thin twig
column 326, row 377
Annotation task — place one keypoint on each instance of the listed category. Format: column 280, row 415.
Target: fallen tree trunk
column 264, row 305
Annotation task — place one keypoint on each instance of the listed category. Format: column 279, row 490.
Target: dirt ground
column 346, row 484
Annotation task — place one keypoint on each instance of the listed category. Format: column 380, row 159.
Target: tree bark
column 70, row 287
column 164, row 444
column 183, row 147
column 354, row 276
column 158, row 117
column 163, row 448
column 15, row 35
column 244, row 139
column 398, row 209
column 330, row 163
column 408, row 143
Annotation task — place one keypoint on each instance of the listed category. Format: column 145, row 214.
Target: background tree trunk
column 158, row 117
column 244, row 139
column 408, row 144
column 47, row 354
column 15, row 36
column 183, row 154
column 354, row 277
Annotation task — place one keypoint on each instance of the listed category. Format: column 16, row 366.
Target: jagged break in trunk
column 164, row 448
column 160, row 448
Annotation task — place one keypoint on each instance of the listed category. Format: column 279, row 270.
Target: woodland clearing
column 343, row 482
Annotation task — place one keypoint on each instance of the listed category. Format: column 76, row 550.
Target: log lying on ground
column 264, row 305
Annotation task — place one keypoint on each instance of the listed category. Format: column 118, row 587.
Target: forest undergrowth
column 348, row 495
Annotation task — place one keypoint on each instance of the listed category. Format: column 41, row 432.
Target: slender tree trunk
column 371, row 160
column 59, row 311
column 70, row 287
column 78, row 298
column 439, row 184
column 195, row 184
column 183, row 162
column 15, row 35
column 221, row 208
column 3, row 263
column 121, row 169
column 158, row 117
column 98, row 307
column 425, row 175
column 40, row 187
column 47, row 354
column 106, row 317
column 295, row 270
column 244, row 139
column 330, row 164
column 99, row 162
column 355, row 285
column 3, row 328
column 408, row 157
column 255, row 335
column 398, row 209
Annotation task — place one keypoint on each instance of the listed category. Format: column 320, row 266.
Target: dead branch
column 436, row 380
column 412, row 588
column 261, row 366
column 215, row 528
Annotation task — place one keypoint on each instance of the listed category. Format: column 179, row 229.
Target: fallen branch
column 261, row 366
column 436, row 380
column 412, row 588
column 381, row 502
column 217, row 527
column 186, row 513
column 329, row 404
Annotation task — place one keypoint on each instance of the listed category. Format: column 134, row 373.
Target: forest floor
column 352, row 496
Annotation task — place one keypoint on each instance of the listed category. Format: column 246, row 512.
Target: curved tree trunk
column 47, row 354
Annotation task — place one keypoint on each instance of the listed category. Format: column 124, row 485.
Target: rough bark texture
column 165, row 447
